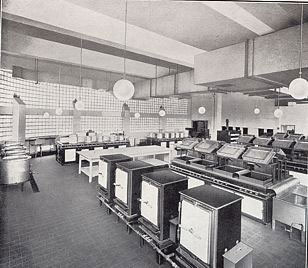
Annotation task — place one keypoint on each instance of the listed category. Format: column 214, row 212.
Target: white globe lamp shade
column 79, row 105
column 46, row 115
column 201, row 110
column 278, row 113
column 137, row 115
column 162, row 112
column 59, row 111
column 256, row 111
column 123, row 90
column 298, row 88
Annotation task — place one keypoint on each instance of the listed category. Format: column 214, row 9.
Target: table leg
column 90, row 171
column 79, row 167
column 303, row 236
column 273, row 224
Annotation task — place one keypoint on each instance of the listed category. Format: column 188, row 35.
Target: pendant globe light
column 46, row 115
column 79, row 105
column 137, row 115
column 298, row 88
column 201, row 110
column 256, row 111
column 59, row 110
column 162, row 111
column 278, row 112
column 124, row 89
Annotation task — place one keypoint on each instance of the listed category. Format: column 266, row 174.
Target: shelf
column 86, row 170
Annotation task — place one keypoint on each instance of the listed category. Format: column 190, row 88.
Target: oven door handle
column 190, row 230
column 144, row 202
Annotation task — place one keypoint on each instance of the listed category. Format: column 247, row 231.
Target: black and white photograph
column 153, row 134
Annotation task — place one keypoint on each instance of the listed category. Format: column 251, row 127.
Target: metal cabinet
column 128, row 184
column 106, row 174
column 209, row 224
column 159, row 202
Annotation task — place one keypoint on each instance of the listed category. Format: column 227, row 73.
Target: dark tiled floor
column 63, row 226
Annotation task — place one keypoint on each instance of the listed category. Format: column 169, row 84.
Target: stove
column 296, row 137
column 299, row 158
column 245, row 139
column 187, row 144
column 251, row 172
column 205, row 226
column 208, row 146
column 280, row 135
column 159, row 202
column 263, row 141
column 127, row 184
column 106, row 175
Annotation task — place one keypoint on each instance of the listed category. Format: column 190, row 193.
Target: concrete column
column 76, row 120
column 126, row 119
column 217, row 112
column 19, row 120
column 162, row 123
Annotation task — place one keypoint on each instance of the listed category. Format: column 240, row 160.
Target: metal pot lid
column 16, row 157
column 15, row 151
column 12, row 143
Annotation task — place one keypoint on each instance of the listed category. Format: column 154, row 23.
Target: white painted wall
column 238, row 108
column 205, row 100
column 296, row 115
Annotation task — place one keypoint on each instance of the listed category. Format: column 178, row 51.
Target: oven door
column 121, row 183
column 70, row 155
column 195, row 230
column 149, row 202
column 102, row 175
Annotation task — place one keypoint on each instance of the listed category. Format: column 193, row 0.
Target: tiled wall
column 5, row 126
column 43, row 96
column 37, row 125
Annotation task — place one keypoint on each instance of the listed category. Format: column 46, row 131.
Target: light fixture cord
column 36, row 71
column 59, row 81
column 80, row 82
column 301, row 42
column 125, row 42
column 156, row 81
column 214, row 113
column 278, row 98
column 80, row 67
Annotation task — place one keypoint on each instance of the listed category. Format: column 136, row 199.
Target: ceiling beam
column 240, row 16
column 259, row 93
column 281, row 97
column 90, row 25
column 87, row 43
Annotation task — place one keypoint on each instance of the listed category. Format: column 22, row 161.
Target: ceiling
column 167, row 34
column 201, row 24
